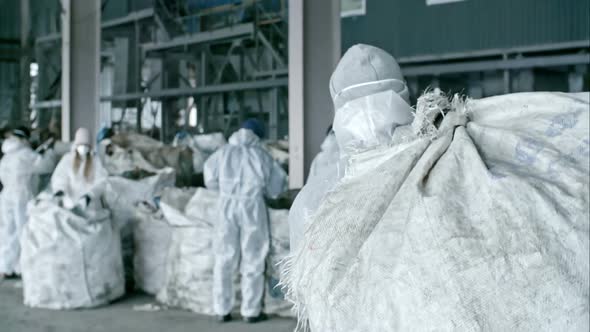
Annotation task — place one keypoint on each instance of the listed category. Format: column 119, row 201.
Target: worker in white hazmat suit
column 372, row 110
column 20, row 171
column 324, row 173
column 79, row 171
column 371, row 100
column 244, row 173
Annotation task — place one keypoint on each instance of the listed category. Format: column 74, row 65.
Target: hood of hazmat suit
column 243, row 173
column 76, row 176
column 19, row 173
column 370, row 97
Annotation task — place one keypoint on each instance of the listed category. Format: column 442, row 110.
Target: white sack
column 70, row 258
column 151, row 236
column 189, row 270
column 121, row 194
column 209, row 143
column 479, row 225
column 122, row 159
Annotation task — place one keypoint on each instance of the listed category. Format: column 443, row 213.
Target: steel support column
column 80, row 65
column 25, row 62
column 314, row 50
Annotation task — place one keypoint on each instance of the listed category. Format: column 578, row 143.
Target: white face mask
column 83, row 150
column 369, row 121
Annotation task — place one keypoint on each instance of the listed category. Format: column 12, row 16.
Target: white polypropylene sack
column 122, row 159
column 189, row 270
column 274, row 299
column 151, row 236
column 70, row 258
column 122, row 195
column 130, row 151
column 209, row 143
column 479, row 225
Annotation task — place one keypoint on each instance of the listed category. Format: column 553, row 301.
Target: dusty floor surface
column 118, row 317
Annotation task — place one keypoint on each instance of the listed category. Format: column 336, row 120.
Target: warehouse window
column 193, row 117
column 193, row 114
column 350, row 8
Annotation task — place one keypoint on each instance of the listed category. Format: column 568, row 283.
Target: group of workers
column 242, row 171
column 20, row 170
column 370, row 99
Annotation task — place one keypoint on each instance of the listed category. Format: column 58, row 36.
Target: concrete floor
column 118, row 317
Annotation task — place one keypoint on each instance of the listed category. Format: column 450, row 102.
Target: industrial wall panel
column 9, row 19
column 8, row 76
column 8, row 90
column 411, row 28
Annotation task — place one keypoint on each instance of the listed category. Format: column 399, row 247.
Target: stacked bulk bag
column 209, row 143
column 71, row 258
column 151, row 236
column 121, row 195
column 189, row 268
column 128, row 151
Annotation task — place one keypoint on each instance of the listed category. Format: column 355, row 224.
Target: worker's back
column 242, row 171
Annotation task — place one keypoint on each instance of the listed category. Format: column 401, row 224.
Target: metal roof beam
column 130, row 18
column 202, row 38
column 203, row 90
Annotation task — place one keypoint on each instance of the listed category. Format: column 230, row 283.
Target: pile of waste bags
column 71, row 258
column 124, row 152
column 476, row 217
column 188, row 284
column 202, row 146
column 123, row 192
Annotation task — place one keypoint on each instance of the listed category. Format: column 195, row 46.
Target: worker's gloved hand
column 59, row 198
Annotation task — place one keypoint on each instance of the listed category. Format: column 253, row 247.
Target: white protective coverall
column 72, row 182
column 371, row 100
column 324, row 173
column 243, row 173
column 19, row 172
column 372, row 110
